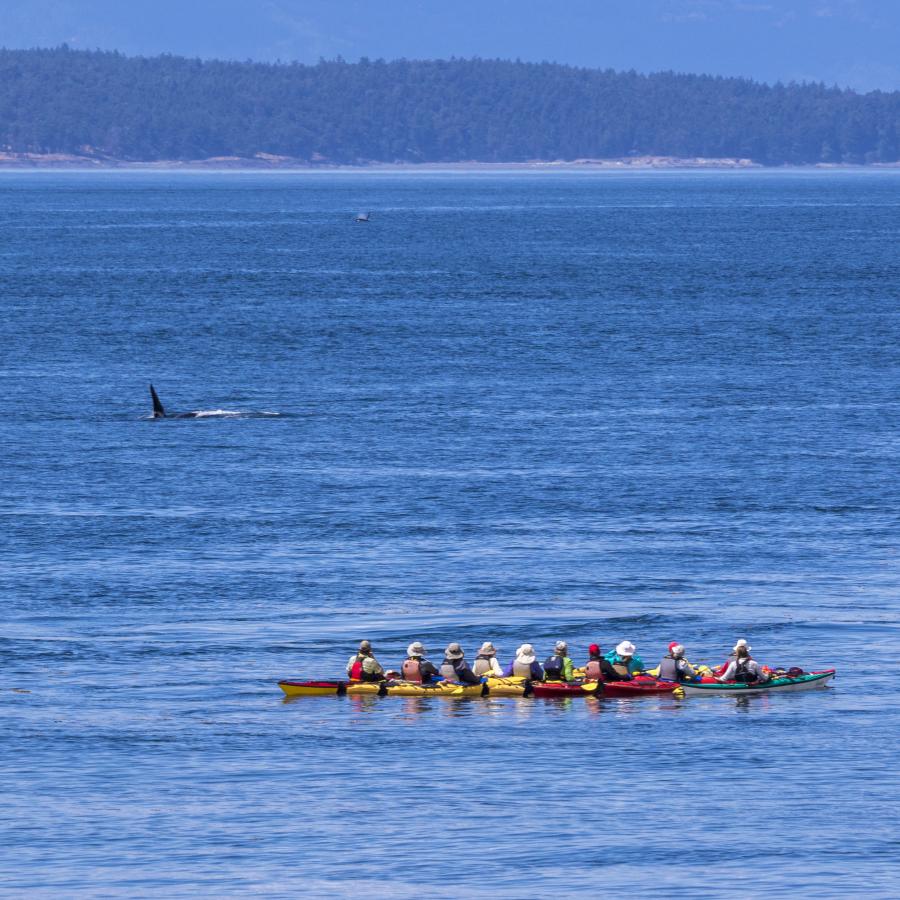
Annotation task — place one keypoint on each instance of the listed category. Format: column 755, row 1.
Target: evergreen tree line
column 64, row 101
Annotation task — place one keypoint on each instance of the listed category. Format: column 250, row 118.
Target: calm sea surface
column 514, row 407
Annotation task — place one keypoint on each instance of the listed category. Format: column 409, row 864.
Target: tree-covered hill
column 64, row 101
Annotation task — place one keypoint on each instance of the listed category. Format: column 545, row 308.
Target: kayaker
column 416, row 668
column 486, row 662
column 674, row 667
column 559, row 667
column 741, row 642
column 598, row 668
column 743, row 668
column 624, row 660
column 363, row 666
column 525, row 665
column 455, row 668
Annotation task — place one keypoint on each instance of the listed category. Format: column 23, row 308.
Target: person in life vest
column 674, row 667
column 624, row 660
column 455, row 668
column 363, row 666
column 486, row 662
column 744, row 668
column 525, row 664
column 599, row 668
column 559, row 667
column 740, row 643
column 416, row 668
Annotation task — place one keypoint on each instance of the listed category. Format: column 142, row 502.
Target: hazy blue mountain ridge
column 166, row 107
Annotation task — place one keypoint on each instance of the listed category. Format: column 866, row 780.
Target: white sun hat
column 525, row 654
column 626, row 648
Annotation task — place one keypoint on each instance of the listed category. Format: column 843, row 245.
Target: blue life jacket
column 554, row 667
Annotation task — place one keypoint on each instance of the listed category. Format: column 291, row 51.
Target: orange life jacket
column 412, row 670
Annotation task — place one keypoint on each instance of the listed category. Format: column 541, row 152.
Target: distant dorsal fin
column 158, row 411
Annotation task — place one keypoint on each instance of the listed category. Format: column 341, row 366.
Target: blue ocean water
column 516, row 407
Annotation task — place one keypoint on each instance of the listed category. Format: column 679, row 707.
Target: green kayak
column 806, row 682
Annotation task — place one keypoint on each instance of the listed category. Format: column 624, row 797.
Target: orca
column 159, row 411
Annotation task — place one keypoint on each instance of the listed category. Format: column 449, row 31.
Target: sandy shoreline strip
column 269, row 162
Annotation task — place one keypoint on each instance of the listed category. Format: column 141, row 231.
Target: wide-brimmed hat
column 416, row 649
column 626, row 648
column 741, row 643
column 365, row 645
column 525, row 654
column 487, row 649
column 561, row 647
column 454, row 651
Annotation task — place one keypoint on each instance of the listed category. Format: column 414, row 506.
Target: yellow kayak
column 441, row 689
column 329, row 688
column 513, row 686
column 380, row 689
column 365, row 687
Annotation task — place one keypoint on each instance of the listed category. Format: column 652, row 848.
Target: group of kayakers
column 621, row 664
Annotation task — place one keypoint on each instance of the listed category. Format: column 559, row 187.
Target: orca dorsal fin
column 158, row 411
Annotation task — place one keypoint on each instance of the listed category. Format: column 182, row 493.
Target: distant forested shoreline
column 106, row 105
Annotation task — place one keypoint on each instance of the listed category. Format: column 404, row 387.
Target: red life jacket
column 412, row 670
column 592, row 670
column 356, row 670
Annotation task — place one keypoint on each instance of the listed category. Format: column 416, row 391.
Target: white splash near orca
column 159, row 411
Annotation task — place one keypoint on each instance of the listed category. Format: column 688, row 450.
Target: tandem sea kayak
column 508, row 686
column 380, row 689
column 638, row 687
column 441, row 689
column 807, row 682
column 329, row 688
column 565, row 689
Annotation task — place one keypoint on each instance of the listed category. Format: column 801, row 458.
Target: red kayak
column 639, row 686
column 564, row 689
